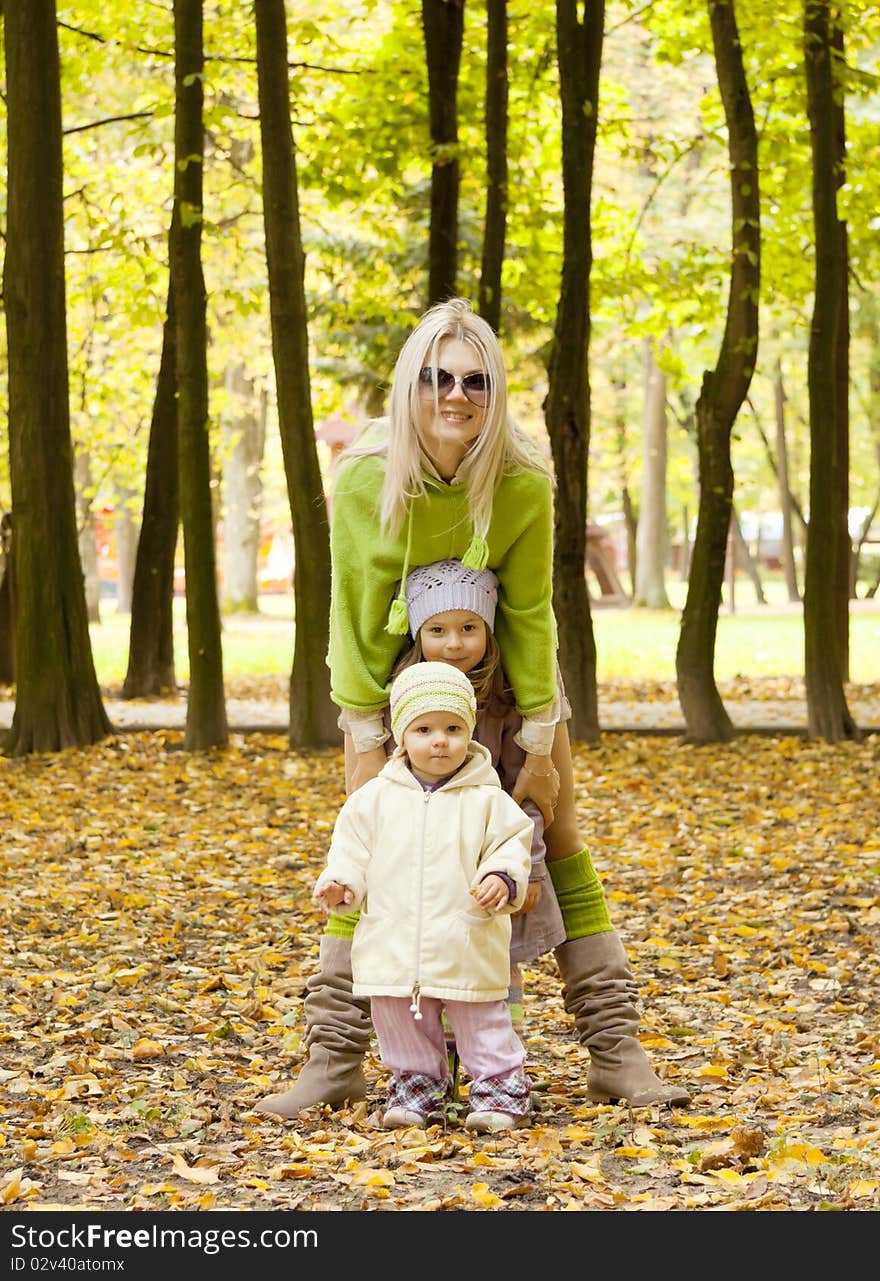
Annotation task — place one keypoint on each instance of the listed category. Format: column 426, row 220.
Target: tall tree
column 788, row 561
column 58, row 702
column 244, row 437
column 722, row 393
column 443, row 23
column 567, row 406
column 312, row 715
column 495, row 227
column 828, row 716
column 652, row 539
column 206, row 724
column 843, row 585
column 7, row 602
column 151, row 635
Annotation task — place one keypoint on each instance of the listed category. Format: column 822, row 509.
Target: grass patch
column 632, row 644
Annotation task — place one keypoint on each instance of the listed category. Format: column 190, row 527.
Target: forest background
column 151, row 996
column 367, row 164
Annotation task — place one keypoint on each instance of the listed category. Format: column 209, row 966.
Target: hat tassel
column 477, row 552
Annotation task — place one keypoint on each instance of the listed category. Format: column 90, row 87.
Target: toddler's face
column 454, row 636
column 436, row 745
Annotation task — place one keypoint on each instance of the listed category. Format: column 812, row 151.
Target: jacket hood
column 477, row 768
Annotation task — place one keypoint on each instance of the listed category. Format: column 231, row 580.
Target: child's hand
column 532, row 899
column 332, row 894
column 491, row 893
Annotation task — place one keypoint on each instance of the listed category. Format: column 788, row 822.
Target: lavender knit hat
column 430, row 687
column 447, row 584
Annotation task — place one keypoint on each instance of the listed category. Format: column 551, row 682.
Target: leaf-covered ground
column 157, row 932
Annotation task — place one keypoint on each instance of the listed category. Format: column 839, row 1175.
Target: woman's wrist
column 539, row 766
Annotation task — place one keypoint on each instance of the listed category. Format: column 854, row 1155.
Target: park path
column 645, row 716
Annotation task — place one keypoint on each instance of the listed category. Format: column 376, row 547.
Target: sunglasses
column 477, row 387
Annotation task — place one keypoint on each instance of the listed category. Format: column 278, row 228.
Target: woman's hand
column 332, row 894
column 366, row 766
column 531, row 900
column 539, row 780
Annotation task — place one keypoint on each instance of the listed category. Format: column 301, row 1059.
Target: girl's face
column 454, row 636
column 448, row 431
column 436, row 744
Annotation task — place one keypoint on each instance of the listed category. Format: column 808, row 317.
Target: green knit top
column 368, row 566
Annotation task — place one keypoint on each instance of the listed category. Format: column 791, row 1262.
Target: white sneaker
column 493, row 1122
column 401, row 1118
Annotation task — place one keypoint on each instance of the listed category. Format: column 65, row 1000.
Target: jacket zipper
column 416, row 992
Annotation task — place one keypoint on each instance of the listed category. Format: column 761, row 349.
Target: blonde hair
column 491, row 689
column 501, row 447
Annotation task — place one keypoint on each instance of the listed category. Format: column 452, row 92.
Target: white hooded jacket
column 411, row 856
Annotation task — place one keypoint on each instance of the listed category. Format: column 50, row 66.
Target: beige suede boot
column 338, row 1037
column 600, row 993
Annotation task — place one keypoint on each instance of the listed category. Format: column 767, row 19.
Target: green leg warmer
column 580, row 894
column 341, row 925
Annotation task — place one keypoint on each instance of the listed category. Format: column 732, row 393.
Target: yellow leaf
column 727, row 1175
column 146, row 1049
column 745, row 931
column 863, row 1187
column 194, row 1173
column 805, row 1152
column 575, row 1133
column 128, row 978
column 589, row 1173
column 373, row 1178
column 716, row 1070
column 11, row 1189
column 298, row 1170
column 484, row 1197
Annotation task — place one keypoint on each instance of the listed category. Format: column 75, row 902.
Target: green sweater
column 367, row 567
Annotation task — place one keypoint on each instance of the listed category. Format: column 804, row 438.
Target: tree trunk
column 495, row 230
column 742, row 557
column 567, row 407
column 651, row 533
column 312, row 714
column 206, row 724
column 721, row 396
column 126, row 536
column 85, row 534
column 630, row 518
column 443, row 24
column 244, row 430
column 843, row 587
column 151, row 635
column 58, row 702
column 7, row 603
column 828, row 716
column 788, row 561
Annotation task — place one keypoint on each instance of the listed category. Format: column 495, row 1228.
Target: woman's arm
column 360, row 767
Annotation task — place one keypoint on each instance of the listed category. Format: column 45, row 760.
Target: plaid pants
column 415, row 1051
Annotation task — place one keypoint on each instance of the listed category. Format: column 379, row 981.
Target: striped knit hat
column 430, row 687
column 448, row 584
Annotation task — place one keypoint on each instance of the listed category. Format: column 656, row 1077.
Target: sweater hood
column 477, row 768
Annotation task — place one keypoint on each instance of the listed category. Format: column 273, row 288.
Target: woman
column 448, row 474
